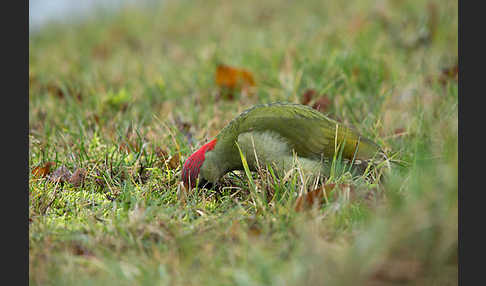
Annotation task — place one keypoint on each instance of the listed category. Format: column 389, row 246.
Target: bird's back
column 309, row 132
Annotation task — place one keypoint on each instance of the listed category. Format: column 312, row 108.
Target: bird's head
column 191, row 168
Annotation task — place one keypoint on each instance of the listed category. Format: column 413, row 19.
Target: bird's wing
column 309, row 132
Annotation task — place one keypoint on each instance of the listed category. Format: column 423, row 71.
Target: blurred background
column 122, row 92
column 65, row 12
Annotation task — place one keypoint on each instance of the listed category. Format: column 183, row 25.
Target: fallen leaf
column 173, row 162
column 247, row 78
column 32, row 79
column 312, row 198
column 42, row 171
column 346, row 190
column 124, row 148
column 398, row 270
column 96, row 118
column 322, row 104
column 79, row 96
column 61, row 174
column 228, row 95
column 308, row 96
column 78, row 249
column 129, row 143
column 446, row 74
column 254, row 230
column 231, row 79
column 226, row 76
column 399, row 131
column 161, row 153
column 100, row 51
column 234, row 230
column 449, row 73
column 55, row 90
column 77, row 178
column 329, row 187
column 309, row 199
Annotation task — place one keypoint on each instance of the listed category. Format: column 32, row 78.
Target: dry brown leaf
column 61, row 174
column 129, row 143
column 399, row 131
column 232, row 79
column 449, row 73
column 174, row 161
column 32, row 79
column 307, row 200
column 346, row 190
column 161, row 153
column 42, row 171
column 312, row 198
column 234, row 230
column 254, row 227
column 101, row 51
column 329, row 188
column 398, row 270
column 226, row 76
column 77, row 178
column 315, row 197
column 322, row 104
column 247, row 78
column 78, row 249
column 79, row 96
column 55, row 90
column 124, row 148
column 308, row 95
column 254, row 230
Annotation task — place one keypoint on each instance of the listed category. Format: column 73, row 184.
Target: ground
column 118, row 102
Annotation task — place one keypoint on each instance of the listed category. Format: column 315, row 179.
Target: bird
column 280, row 135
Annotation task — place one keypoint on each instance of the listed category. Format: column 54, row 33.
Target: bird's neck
column 219, row 161
column 215, row 165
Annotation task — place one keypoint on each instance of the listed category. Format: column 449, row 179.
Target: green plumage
column 302, row 129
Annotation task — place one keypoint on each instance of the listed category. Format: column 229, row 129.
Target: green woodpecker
column 281, row 135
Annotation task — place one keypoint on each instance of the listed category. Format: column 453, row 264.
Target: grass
column 112, row 94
